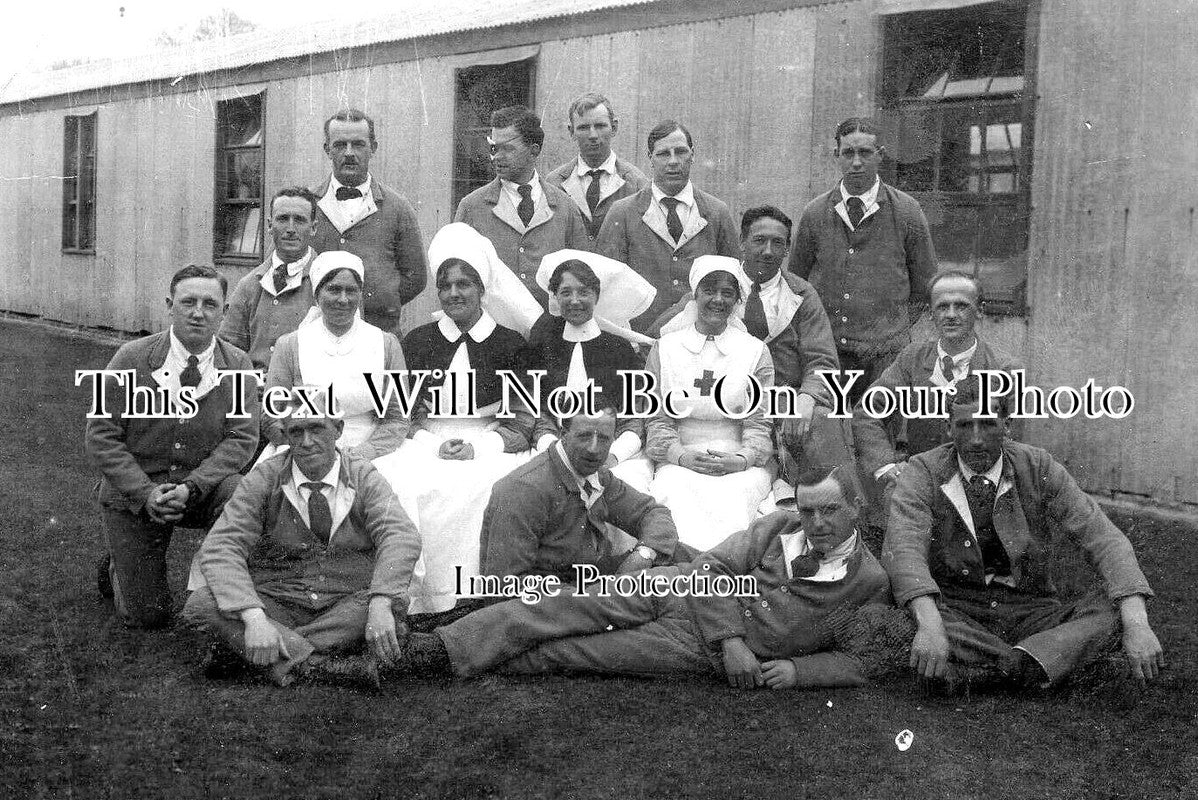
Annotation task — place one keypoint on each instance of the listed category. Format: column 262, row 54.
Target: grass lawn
column 92, row 710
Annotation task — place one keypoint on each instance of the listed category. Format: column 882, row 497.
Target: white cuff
column 546, row 440
column 625, row 446
column 881, row 472
column 487, row 442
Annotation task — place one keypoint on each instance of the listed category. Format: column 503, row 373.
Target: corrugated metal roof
column 419, row 19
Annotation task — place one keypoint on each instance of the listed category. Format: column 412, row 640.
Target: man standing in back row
column 597, row 178
column 360, row 214
column 866, row 248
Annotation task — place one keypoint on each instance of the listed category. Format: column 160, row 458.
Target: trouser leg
column 202, row 612
column 1064, row 637
column 341, row 627
column 666, row 646
column 974, row 644
column 137, row 546
column 495, row 634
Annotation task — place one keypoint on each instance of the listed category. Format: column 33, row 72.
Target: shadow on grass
column 93, row 710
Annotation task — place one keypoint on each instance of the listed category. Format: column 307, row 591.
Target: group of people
column 416, row 527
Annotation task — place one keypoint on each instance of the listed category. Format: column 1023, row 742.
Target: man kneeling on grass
column 312, row 554
column 805, row 567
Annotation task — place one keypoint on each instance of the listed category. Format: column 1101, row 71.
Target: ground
column 89, row 709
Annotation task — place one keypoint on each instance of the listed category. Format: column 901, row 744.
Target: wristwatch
column 645, row 552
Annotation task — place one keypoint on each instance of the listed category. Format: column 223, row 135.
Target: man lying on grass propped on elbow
column 806, row 567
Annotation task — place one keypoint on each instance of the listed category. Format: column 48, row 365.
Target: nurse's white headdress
column 700, row 269
column 322, row 265
column 623, row 296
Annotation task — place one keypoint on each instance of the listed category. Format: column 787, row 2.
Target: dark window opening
column 240, row 158
column 79, row 184
column 480, row 91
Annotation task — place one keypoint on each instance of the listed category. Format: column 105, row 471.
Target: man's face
column 350, row 148
column 671, row 160
column 196, row 309
column 765, row 249
column 978, row 441
column 955, row 309
column 828, row 519
column 313, row 442
column 587, row 441
column 858, row 157
column 291, row 226
column 592, row 131
column 513, row 159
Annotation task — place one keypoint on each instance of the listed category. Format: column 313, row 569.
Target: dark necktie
column 525, row 207
column 806, row 565
column 320, row 519
column 980, row 493
column 856, row 211
column 673, row 223
column 755, row 321
column 593, row 189
column 190, row 376
column 280, row 278
column 348, row 193
column 946, row 366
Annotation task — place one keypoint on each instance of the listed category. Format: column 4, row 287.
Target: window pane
column 243, row 123
column 243, row 169
column 241, row 228
column 240, row 160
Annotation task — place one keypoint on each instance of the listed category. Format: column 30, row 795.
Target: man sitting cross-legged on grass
column 313, row 553
column 968, row 548
column 805, row 566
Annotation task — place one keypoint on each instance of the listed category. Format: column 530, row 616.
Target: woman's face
column 576, row 300
column 716, row 297
column 338, row 299
column 461, row 298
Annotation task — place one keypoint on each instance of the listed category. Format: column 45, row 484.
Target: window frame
column 461, row 183
column 1017, row 203
column 79, row 183
column 221, row 202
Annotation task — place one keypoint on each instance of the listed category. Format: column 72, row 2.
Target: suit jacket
column 784, row 618
column 558, row 225
column 389, row 244
column 873, row 280
column 627, row 237
column 805, row 346
column 262, row 538
column 633, row 181
column 913, row 367
column 537, row 524
column 135, row 455
column 925, row 554
column 255, row 320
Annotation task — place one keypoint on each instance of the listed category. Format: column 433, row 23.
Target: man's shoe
column 103, row 576
column 425, row 654
column 362, row 671
column 222, row 664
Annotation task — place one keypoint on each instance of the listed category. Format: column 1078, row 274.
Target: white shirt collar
column 994, row 474
column 772, row 284
column 959, row 358
column 295, row 267
column 868, row 198
column 335, row 184
column 609, row 166
column 693, row 341
column 330, row 478
column 512, row 186
column 592, row 479
column 686, row 196
column 478, row 332
column 181, row 353
column 581, row 333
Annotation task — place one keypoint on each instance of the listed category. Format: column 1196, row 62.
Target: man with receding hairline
column 359, row 213
column 867, row 249
column 597, row 178
column 662, row 229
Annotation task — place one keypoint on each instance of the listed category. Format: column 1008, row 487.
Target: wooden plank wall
column 1114, row 271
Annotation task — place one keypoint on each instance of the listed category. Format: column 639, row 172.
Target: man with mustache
column 523, row 215
column 969, row 545
column 946, row 360
column 867, row 249
column 359, row 213
column 597, row 178
column 273, row 298
column 662, row 229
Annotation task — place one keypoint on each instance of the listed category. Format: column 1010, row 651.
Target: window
column 480, row 91
column 956, row 91
column 240, row 157
column 79, row 184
